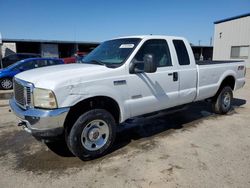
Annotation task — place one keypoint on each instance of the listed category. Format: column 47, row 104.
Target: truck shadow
column 165, row 123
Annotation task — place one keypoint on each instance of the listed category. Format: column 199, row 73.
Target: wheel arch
column 229, row 80
column 103, row 102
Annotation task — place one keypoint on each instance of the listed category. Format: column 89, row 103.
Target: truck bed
column 212, row 73
column 208, row 62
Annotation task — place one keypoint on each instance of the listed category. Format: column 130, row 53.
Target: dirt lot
column 191, row 148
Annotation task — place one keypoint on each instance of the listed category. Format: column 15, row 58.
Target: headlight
column 44, row 98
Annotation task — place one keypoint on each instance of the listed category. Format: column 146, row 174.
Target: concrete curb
column 4, row 95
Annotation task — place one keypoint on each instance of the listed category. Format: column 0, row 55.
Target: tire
column 223, row 102
column 6, row 83
column 92, row 135
column 60, row 148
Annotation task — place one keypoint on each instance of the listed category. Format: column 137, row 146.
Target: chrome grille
column 28, row 95
column 19, row 93
column 22, row 93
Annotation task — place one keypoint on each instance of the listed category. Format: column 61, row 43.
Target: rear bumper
column 41, row 123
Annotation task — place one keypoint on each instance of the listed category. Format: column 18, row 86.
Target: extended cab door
column 151, row 92
column 187, row 70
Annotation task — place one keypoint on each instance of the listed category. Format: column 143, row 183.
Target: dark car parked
column 13, row 58
column 7, row 74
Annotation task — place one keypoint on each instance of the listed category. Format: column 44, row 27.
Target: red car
column 68, row 60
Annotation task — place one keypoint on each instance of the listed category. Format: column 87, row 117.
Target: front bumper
column 42, row 124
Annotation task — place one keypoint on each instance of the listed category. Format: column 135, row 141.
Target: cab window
column 159, row 49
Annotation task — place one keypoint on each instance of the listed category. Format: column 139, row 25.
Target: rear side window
column 181, row 52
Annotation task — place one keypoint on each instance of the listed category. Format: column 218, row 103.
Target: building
column 232, row 39
column 47, row 48
column 62, row 49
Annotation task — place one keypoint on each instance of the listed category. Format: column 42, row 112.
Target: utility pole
column 199, row 42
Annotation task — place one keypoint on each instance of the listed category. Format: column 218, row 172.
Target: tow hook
column 23, row 124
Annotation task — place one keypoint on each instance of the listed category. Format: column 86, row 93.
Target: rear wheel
column 6, row 83
column 92, row 135
column 223, row 102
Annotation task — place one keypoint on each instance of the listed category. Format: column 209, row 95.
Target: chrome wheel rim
column 226, row 99
column 6, row 83
column 95, row 135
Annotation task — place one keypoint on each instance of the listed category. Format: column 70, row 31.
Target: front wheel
column 6, row 83
column 223, row 102
column 92, row 135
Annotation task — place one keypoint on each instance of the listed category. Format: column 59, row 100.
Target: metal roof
column 232, row 18
column 49, row 41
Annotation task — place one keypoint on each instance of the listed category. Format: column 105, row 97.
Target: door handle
column 175, row 75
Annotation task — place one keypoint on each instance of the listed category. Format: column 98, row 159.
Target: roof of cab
column 150, row 37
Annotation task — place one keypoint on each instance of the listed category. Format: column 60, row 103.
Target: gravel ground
column 190, row 148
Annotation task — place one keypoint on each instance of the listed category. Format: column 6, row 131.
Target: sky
column 99, row 20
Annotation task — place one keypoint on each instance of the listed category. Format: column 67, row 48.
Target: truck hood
column 49, row 77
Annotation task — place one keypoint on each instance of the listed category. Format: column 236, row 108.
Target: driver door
column 151, row 92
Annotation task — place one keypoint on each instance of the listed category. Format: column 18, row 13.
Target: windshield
column 112, row 53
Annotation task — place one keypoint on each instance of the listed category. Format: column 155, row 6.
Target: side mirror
column 136, row 67
column 149, row 64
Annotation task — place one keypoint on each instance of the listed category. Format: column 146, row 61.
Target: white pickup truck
column 77, row 107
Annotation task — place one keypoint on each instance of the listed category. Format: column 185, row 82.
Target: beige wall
column 8, row 48
column 233, row 33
